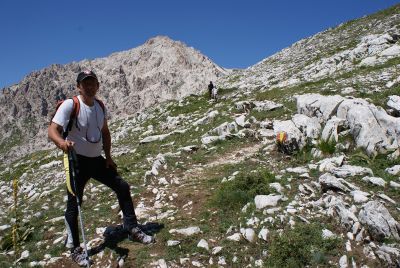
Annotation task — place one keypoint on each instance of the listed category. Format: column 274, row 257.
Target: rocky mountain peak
column 161, row 69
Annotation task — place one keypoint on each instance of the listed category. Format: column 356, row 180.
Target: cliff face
column 159, row 70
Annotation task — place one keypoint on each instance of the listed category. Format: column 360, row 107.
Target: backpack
column 74, row 114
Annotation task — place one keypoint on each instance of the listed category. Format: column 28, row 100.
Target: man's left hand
column 110, row 163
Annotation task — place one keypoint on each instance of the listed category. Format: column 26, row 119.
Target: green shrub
column 301, row 246
column 234, row 194
column 327, row 147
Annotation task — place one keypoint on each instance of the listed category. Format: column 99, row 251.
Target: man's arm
column 54, row 133
column 107, row 145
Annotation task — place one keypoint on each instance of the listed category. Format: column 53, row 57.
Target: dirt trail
column 233, row 157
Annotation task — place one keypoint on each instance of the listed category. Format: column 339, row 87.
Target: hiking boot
column 136, row 234
column 78, row 255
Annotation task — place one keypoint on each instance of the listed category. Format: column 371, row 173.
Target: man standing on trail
column 88, row 135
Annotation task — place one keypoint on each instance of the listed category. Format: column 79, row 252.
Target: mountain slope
column 329, row 54
column 227, row 193
column 159, row 70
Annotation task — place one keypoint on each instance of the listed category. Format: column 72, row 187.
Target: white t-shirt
column 88, row 126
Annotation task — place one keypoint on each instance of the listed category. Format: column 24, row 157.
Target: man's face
column 88, row 86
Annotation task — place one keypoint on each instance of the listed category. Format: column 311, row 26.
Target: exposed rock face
column 372, row 128
column 159, row 70
column 379, row 222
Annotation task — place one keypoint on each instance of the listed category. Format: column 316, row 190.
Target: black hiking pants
column 95, row 167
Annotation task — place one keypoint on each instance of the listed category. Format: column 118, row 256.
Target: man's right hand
column 66, row 145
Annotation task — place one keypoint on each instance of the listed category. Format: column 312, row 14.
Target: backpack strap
column 101, row 105
column 75, row 112
column 74, row 115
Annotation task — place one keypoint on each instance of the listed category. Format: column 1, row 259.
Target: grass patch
column 303, row 156
column 378, row 164
column 191, row 104
column 234, row 194
column 301, row 246
column 226, row 91
column 327, row 147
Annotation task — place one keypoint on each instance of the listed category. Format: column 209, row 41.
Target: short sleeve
column 63, row 113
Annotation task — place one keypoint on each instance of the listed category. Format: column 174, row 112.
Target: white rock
column 263, row 234
column 172, row 243
column 359, row 196
column 394, row 184
column 258, row 263
column 297, row 170
column 161, row 263
column 328, row 164
column 186, row 231
column 154, row 138
column 350, row 236
column 375, row 180
column 248, row 234
column 24, row 256
column 348, row 246
column 343, row 262
column 263, row 201
column 235, row 237
column 379, row 222
column 221, row 260
column 216, row 250
column 183, row 261
column 277, row 186
column 197, row 264
column 4, row 227
column 163, row 181
column 350, row 171
column 387, row 198
column 309, row 126
column 391, row 51
column 203, row 244
column 58, row 240
column 395, row 170
column 210, row 139
column 57, row 219
column 240, row 120
column 326, row 234
column 330, row 132
column 329, row 182
column 369, row 61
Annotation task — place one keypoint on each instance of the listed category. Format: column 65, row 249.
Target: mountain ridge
column 276, row 172
column 161, row 69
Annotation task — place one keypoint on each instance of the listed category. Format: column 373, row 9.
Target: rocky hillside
column 159, row 70
column 332, row 55
column 227, row 193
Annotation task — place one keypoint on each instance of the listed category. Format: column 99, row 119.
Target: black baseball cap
column 85, row 74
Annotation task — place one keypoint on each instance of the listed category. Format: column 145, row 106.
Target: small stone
column 203, row 244
column 248, row 234
column 172, row 243
column 343, row 262
column 216, row 250
column 235, row 237
column 326, row 234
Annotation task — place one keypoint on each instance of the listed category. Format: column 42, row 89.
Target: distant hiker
column 214, row 93
column 210, row 88
column 80, row 124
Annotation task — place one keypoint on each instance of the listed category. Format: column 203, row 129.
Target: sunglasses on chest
column 92, row 139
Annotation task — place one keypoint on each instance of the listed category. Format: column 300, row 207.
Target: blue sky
column 234, row 34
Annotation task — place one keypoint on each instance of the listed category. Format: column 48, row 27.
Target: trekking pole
column 73, row 167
